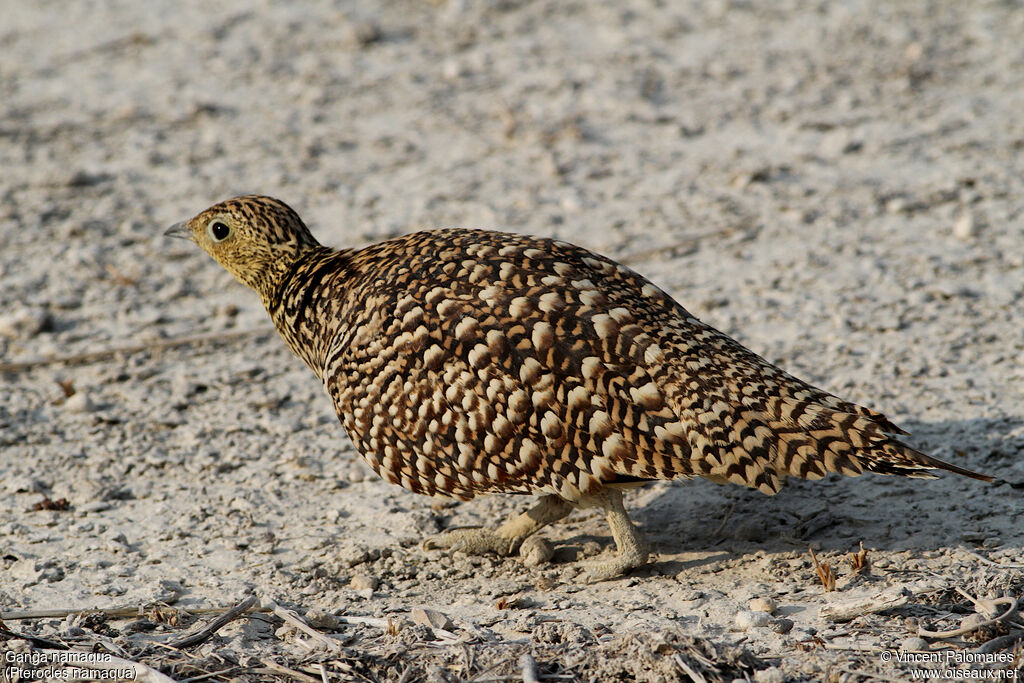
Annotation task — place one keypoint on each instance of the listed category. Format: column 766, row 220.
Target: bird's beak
column 179, row 230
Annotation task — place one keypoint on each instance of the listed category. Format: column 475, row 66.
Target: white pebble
column 78, row 403
column 362, row 582
column 24, row 322
column 896, row 205
column 749, row 619
column 431, row 618
column 771, row 675
column 965, row 226
column 914, row 644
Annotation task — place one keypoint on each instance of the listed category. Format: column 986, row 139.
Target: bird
column 463, row 362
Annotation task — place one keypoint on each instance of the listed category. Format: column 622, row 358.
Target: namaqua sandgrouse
column 469, row 361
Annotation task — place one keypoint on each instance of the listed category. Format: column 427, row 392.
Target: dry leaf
column 859, row 560
column 825, row 573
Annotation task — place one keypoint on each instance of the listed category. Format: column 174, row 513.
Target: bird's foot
column 479, row 541
column 508, row 537
column 623, row 561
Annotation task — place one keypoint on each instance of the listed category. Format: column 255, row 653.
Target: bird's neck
column 299, row 303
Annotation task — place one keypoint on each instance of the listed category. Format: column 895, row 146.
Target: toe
column 471, row 542
column 615, row 567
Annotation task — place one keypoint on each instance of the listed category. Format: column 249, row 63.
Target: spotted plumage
column 468, row 361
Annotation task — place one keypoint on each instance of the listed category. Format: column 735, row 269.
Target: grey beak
column 179, row 230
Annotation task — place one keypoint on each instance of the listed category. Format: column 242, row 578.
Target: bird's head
column 256, row 239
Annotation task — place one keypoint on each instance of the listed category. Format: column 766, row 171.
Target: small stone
column 117, row 537
column 452, row 70
column 768, row 605
column 364, row 33
column 139, row 626
column 114, row 547
column 691, row 595
column 839, row 142
column 350, row 556
column 781, row 626
column 79, row 403
column 24, row 322
column 228, row 310
column 801, row 635
column 770, row 675
column 93, row 506
column 914, row 644
column 545, row 583
column 431, row 618
column 355, row 474
column 741, row 180
column 361, row 582
column 535, row 551
column 965, row 226
column 320, row 619
column 170, row 591
column 748, row 619
column 896, row 205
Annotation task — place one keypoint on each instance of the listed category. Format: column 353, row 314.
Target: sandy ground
column 838, row 185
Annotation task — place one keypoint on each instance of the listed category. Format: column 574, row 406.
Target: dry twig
column 215, row 625
column 298, row 675
column 991, row 563
column 1010, row 611
column 38, row 642
column 109, row 612
column 851, row 608
column 694, row 675
column 1002, row 642
column 300, row 624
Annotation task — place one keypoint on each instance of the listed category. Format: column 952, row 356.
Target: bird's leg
column 632, row 551
column 507, row 538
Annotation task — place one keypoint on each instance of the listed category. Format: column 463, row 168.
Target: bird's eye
column 218, row 230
